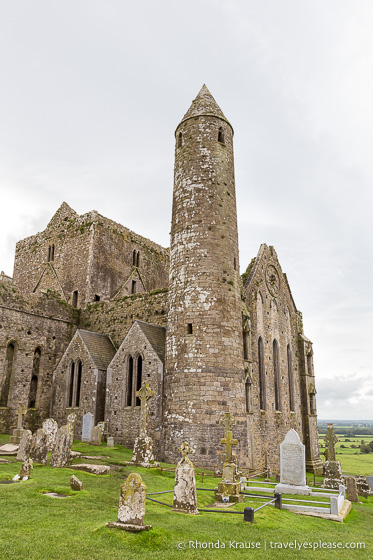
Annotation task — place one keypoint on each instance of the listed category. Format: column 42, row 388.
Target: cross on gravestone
column 185, row 449
column 228, row 421
column 144, row 394
column 228, row 441
column 330, row 441
column 21, row 413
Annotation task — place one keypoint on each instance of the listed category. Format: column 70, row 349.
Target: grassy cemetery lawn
column 351, row 459
column 38, row 527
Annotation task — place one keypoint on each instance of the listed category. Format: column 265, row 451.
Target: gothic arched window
column 276, row 374
column 79, row 367
column 262, row 383
column 10, row 351
column 290, row 377
column 34, row 378
column 138, row 378
column 71, row 384
column 129, row 381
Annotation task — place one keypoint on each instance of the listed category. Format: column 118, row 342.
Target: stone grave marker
column 61, row 453
column 229, row 487
column 15, row 438
column 143, row 448
column 71, row 421
column 50, row 427
column 25, row 472
column 332, row 468
column 131, row 509
column 292, row 466
column 75, row 483
column 363, row 487
column 110, row 442
column 185, row 493
column 96, row 435
column 87, row 427
column 24, row 446
column 352, row 493
column 39, row 451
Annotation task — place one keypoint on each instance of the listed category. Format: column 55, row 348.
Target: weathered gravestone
column 61, row 453
column 143, row 448
column 96, row 435
column 71, row 421
column 362, row 486
column 50, row 427
column 39, row 451
column 17, row 432
column 351, row 492
column 75, row 483
column 229, row 487
column 185, row 494
column 332, row 468
column 87, row 427
column 110, row 441
column 24, row 446
column 131, row 505
column 292, row 466
column 25, row 472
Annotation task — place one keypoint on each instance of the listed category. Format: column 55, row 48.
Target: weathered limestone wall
column 124, row 420
column 204, row 362
column 92, row 255
column 115, row 317
column 30, row 323
column 273, row 317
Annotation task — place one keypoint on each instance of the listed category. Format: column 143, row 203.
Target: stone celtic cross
column 330, row 440
column 228, row 422
column 228, row 441
column 144, row 394
column 185, row 449
column 21, row 413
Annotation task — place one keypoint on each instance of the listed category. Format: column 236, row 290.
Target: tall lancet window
column 290, row 377
column 10, row 351
column 276, row 374
column 129, row 381
column 262, row 380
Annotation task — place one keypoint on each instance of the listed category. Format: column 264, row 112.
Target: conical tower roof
column 204, row 105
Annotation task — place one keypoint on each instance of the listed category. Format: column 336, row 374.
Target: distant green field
column 352, row 461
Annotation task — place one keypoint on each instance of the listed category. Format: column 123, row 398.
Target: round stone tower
column 204, row 374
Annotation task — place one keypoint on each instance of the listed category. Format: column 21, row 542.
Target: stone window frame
column 74, row 382
column 129, row 375
column 289, row 355
column 277, row 374
column 312, row 399
column 130, row 391
column 261, row 375
column 34, row 375
column 7, row 376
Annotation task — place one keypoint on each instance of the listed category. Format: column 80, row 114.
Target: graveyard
column 48, row 515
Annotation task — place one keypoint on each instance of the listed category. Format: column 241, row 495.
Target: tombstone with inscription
column 131, row 509
column 230, row 486
column 50, row 427
column 87, row 427
column 292, row 466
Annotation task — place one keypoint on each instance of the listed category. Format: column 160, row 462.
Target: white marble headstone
column 292, row 460
column 87, row 427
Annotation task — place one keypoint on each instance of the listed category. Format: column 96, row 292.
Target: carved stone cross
column 330, row 440
column 144, row 394
column 21, row 413
column 228, row 421
column 228, row 441
column 185, row 449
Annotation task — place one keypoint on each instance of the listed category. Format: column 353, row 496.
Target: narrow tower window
column 34, row 379
column 276, row 374
column 234, row 263
column 78, row 383
column 130, row 381
column 138, row 259
column 290, row 376
column 180, row 140
column 134, row 258
column 71, row 386
column 9, row 370
column 221, row 135
column 139, row 378
column 75, row 299
column 262, row 388
column 52, row 253
column 133, row 287
column 96, row 298
column 189, row 328
column 49, row 253
column 248, row 386
column 245, row 343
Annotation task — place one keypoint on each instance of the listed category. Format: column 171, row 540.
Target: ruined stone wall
column 273, row 317
column 89, row 385
column 92, row 256
column 30, row 323
column 204, row 362
column 124, row 420
column 116, row 317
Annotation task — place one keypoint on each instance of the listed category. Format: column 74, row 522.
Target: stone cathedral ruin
column 94, row 310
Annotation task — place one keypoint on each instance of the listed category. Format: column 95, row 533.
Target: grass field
column 352, row 461
column 36, row 527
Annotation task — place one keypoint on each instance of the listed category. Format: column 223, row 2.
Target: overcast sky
column 91, row 93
